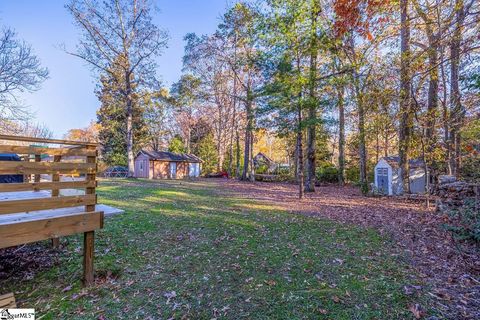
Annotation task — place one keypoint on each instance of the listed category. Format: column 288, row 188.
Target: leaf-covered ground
column 451, row 271
column 198, row 250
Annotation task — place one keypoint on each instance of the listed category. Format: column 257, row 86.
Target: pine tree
column 112, row 118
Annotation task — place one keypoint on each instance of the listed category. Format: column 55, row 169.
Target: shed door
column 173, row 170
column 142, row 169
column 382, row 180
column 191, row 170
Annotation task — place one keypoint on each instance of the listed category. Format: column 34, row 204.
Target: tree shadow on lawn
column 180, row 250
column 416, row 231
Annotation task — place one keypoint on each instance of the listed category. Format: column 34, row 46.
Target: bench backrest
column 69, row 158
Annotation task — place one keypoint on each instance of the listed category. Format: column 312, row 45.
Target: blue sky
column 66, row 100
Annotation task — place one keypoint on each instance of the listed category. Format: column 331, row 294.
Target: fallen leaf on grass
column 67, row 288
column 270, row 282
column 79, row 295
column 170, row 295
column 417, row 311
column 336, row 299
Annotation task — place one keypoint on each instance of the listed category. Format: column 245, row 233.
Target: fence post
column 56, row 193
column 89, row 237
column 36, row 178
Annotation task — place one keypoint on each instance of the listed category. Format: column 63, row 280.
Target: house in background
column 388, row 178
column 166, row 165
column 261, row 159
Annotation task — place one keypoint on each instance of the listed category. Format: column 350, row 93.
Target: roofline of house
column 197, row 160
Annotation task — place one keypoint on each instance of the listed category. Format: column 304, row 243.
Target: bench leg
column 88, row 248
column 55, row 243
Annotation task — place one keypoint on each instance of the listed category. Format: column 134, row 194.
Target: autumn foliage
column 357, row 16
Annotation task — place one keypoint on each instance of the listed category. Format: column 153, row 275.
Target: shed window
column 382, row 171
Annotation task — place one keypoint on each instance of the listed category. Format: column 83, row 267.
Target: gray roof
column 171, row 156
column 412, row 163
column 263, row 155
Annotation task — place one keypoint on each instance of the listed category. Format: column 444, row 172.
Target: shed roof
column 264, row 156
column 171, row 156
column 393, row 161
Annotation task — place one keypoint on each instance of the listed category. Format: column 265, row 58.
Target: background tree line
column 333, row 85
column 338, row 84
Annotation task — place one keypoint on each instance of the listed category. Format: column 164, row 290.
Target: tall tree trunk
column 362, row 144
column 386, row 133
column 357, row 91
column 233, row 125
column 220, row 137
column 188, row 140
column 300, row 155
column 248, row 137
column 432, row 104
column 252, row 166
column 237, row 145
column 129, row 102
column 362, row 150
column 246, row 156
column 230, row 157
column 385, row 142
column 405, row 99
column 458, row 111
column 296, row 162
column 445, row 116
column 312, row 104
column 341, row 136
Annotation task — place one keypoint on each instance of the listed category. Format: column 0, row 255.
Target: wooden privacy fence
column 36, row 209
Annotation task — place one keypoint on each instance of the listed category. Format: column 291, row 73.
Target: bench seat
column 7, row 301
column 21, row 228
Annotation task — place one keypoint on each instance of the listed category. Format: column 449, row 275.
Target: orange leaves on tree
column 357, row 16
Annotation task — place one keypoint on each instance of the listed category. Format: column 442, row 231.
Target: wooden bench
column 28, row 215
column 7, row 301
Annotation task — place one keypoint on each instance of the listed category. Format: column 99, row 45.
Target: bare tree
column 20, row 70
column 26, row 128
column 120, row 32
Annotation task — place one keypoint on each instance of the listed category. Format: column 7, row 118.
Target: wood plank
column 77, row 151
column 7, row 301
column 15, row 206
column 12, row 187
column 21, row 167
column 42, row 140
column 43, row 229
column 52, row 213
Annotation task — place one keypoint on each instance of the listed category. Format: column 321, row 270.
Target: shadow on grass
column 180, row 251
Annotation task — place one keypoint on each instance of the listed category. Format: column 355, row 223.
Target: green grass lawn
column 181, row 251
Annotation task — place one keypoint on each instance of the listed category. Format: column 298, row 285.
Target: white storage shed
column 388, row 176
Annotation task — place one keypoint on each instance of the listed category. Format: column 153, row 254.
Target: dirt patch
column 452, row 274
column 24, row 262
